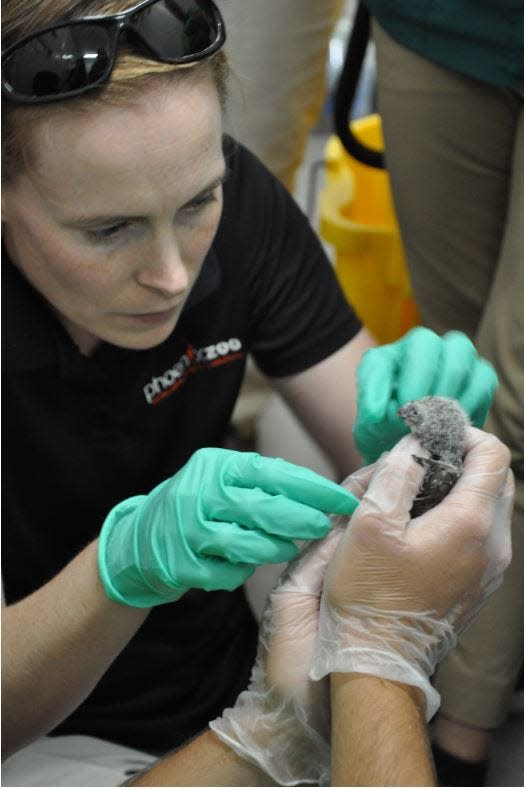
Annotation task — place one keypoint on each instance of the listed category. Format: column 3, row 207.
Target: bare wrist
column 341, row 679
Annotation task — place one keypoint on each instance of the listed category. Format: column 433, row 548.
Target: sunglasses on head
column 72, row 57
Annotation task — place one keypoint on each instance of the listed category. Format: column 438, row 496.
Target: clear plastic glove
column 211, row 524
column 282, row 722
column 420, row 364
column 398, row 591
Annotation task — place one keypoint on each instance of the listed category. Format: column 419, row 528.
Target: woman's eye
column 106, row 233
column 201, row 202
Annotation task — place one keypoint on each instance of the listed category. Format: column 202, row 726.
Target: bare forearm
column 324, row 400
column 56, row 644
column 379, row 735
column 206, row 761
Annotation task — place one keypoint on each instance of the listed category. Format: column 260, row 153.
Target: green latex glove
column 211, row 524
column 420, row 364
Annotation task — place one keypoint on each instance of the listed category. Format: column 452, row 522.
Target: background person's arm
column 56, row 645
column 379, row 736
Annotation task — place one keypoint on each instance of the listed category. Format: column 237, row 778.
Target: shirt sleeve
column 298, row 313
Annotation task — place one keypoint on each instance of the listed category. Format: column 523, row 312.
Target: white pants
column 73, row 760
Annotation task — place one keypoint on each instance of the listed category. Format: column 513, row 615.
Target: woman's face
column 113, row 222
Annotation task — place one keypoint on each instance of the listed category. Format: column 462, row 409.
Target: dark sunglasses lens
column 175, row 29
column 58, row 62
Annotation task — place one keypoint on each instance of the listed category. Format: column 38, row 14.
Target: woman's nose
column 164, row 270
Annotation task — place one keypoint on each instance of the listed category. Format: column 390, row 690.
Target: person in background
column 273, row 115
column 450, row 94
column 450, row 90
column 146, row 254
column 270, row 115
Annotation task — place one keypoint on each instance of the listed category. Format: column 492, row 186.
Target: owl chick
column 439, row 424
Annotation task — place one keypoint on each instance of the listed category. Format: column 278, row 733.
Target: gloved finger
column 392, row 489
column 235, row 544
column 479, row 393
column 376, row 376
column 458, row 357
column 486, row 464
column 305, row 574
column 359, row 480
column 278, row 515
column 422, row 351
column 498, row 543
column 279, row 477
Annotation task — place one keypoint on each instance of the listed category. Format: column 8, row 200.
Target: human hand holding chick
column 399, row 590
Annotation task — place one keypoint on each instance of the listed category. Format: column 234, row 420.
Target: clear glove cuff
column 398, row 645
column 277, row 739
column 382, row 664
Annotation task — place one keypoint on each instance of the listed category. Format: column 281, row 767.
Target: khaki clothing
column 277, row 51
column 454, row 150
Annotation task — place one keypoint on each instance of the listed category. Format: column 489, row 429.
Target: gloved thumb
column 305, row 573
column 357, row 483
column 393, row 486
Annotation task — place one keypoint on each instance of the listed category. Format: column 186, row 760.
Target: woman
column 145, row 256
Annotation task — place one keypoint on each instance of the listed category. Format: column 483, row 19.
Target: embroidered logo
column 192, row 361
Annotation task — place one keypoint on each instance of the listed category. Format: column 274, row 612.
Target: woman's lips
column 155, row 318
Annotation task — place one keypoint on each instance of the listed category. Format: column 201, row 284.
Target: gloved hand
column 420, row 364
column 211, row 524
column 398, row 591
column 282, row 722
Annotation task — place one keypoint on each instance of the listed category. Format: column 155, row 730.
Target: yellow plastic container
column 357, row 217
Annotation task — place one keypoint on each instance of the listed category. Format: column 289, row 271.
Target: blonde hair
column 131, row 72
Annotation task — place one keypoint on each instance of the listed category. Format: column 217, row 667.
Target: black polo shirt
column 80, row 434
